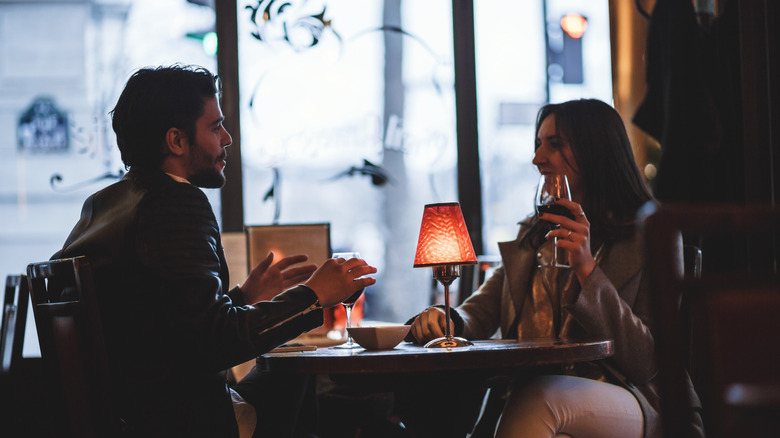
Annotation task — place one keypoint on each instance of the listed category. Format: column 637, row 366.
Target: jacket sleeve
column 478, row 317
column 623, row 314
column 177, row 242
column 600, row 309
column 481, row 312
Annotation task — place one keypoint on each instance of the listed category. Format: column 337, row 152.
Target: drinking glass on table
column 553, row 187
column 349, row 302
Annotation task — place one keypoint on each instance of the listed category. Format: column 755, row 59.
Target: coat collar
column 619, row 262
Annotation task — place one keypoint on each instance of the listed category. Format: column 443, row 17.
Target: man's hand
column 337, row 279
column 269, row 280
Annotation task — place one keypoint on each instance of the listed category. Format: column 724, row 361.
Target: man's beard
column 207, row 176
column 208, row 179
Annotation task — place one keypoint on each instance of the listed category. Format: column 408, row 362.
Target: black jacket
column 170, row 327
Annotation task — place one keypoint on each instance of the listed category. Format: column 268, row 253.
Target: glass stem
column 348, row 310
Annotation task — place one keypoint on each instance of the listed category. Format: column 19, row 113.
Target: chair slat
column 718, row 325
column 72, row 346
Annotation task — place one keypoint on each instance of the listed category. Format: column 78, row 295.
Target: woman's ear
column 175, row 141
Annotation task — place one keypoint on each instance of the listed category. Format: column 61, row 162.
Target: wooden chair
column 71, row 339
column 692, row 260
column 14, row 322
column 718, row 326
column 22, row 388
column 12, row 375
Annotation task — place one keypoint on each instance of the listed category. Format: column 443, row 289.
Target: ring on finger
column 568, row 236
column 581, row 214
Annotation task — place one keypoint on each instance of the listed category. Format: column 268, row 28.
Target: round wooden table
column 359, row 376
column 410, row 358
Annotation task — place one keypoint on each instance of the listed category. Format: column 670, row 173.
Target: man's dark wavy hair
column 154, row 100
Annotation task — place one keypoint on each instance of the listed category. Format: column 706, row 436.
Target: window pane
column 62, row 66
column 518, row 71
column 330, row 89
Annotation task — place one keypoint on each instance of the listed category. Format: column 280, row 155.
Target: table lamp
column 444, row 245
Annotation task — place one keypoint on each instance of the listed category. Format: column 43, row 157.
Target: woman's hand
column 269, row 280
column 574, row 237
column 429, row 325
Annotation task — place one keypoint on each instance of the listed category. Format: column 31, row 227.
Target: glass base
column 451, row 342
column 556, row 265
column 349, row 344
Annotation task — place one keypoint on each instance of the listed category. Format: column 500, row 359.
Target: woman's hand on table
column 429, row 325
column 574, row 236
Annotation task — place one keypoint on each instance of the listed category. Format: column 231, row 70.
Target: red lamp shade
column 444, row 239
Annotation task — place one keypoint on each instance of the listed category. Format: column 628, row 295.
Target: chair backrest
column 286, row 240
column 719, row 326
column 235, row 246
column 14, row 322
column 692, row 260
column 71, row 339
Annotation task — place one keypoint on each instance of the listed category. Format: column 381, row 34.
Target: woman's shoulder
column 531, row 227
column 527, row 223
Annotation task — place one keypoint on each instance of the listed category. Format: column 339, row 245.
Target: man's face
column 208, row 150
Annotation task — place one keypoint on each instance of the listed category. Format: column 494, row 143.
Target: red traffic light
column 574, row 25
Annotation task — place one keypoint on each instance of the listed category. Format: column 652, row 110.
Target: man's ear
column 175, row 141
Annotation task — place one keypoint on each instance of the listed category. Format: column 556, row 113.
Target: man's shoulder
column 148, row 194
column 159, row 187
column 166, row 202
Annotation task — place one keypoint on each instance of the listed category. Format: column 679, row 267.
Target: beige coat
column 614, row 303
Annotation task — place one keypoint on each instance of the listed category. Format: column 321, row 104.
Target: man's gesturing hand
column 337, row 279
column 269, row 280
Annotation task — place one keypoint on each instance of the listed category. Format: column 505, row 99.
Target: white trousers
column 246, row 417
column 566, row 406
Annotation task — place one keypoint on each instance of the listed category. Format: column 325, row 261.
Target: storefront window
column 524, row 59
column 347, row 117
column 62, row 66
column 347, row 114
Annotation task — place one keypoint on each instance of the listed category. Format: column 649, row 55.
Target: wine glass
column 553, row 187
column 349, row 302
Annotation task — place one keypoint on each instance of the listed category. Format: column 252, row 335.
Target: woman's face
column 554, row 155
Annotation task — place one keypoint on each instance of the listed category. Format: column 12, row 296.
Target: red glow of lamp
column 444, row 245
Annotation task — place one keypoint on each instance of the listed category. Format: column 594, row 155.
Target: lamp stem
column 447, row 328
column 446, row 274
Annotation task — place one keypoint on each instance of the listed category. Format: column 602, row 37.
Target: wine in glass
column 349, row 302
column 553, row 187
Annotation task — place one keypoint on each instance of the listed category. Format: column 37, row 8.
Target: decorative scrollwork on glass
column 56, row 181
column 291, row 21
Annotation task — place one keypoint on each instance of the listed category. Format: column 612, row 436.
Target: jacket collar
column 618, row 261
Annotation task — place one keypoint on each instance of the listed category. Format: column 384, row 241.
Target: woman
column 603, row 295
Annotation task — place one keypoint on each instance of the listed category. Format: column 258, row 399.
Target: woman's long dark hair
column 613, row 188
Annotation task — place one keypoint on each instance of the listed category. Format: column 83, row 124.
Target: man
column 154, row 243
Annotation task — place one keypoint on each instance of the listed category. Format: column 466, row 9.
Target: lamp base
column 451, row 342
